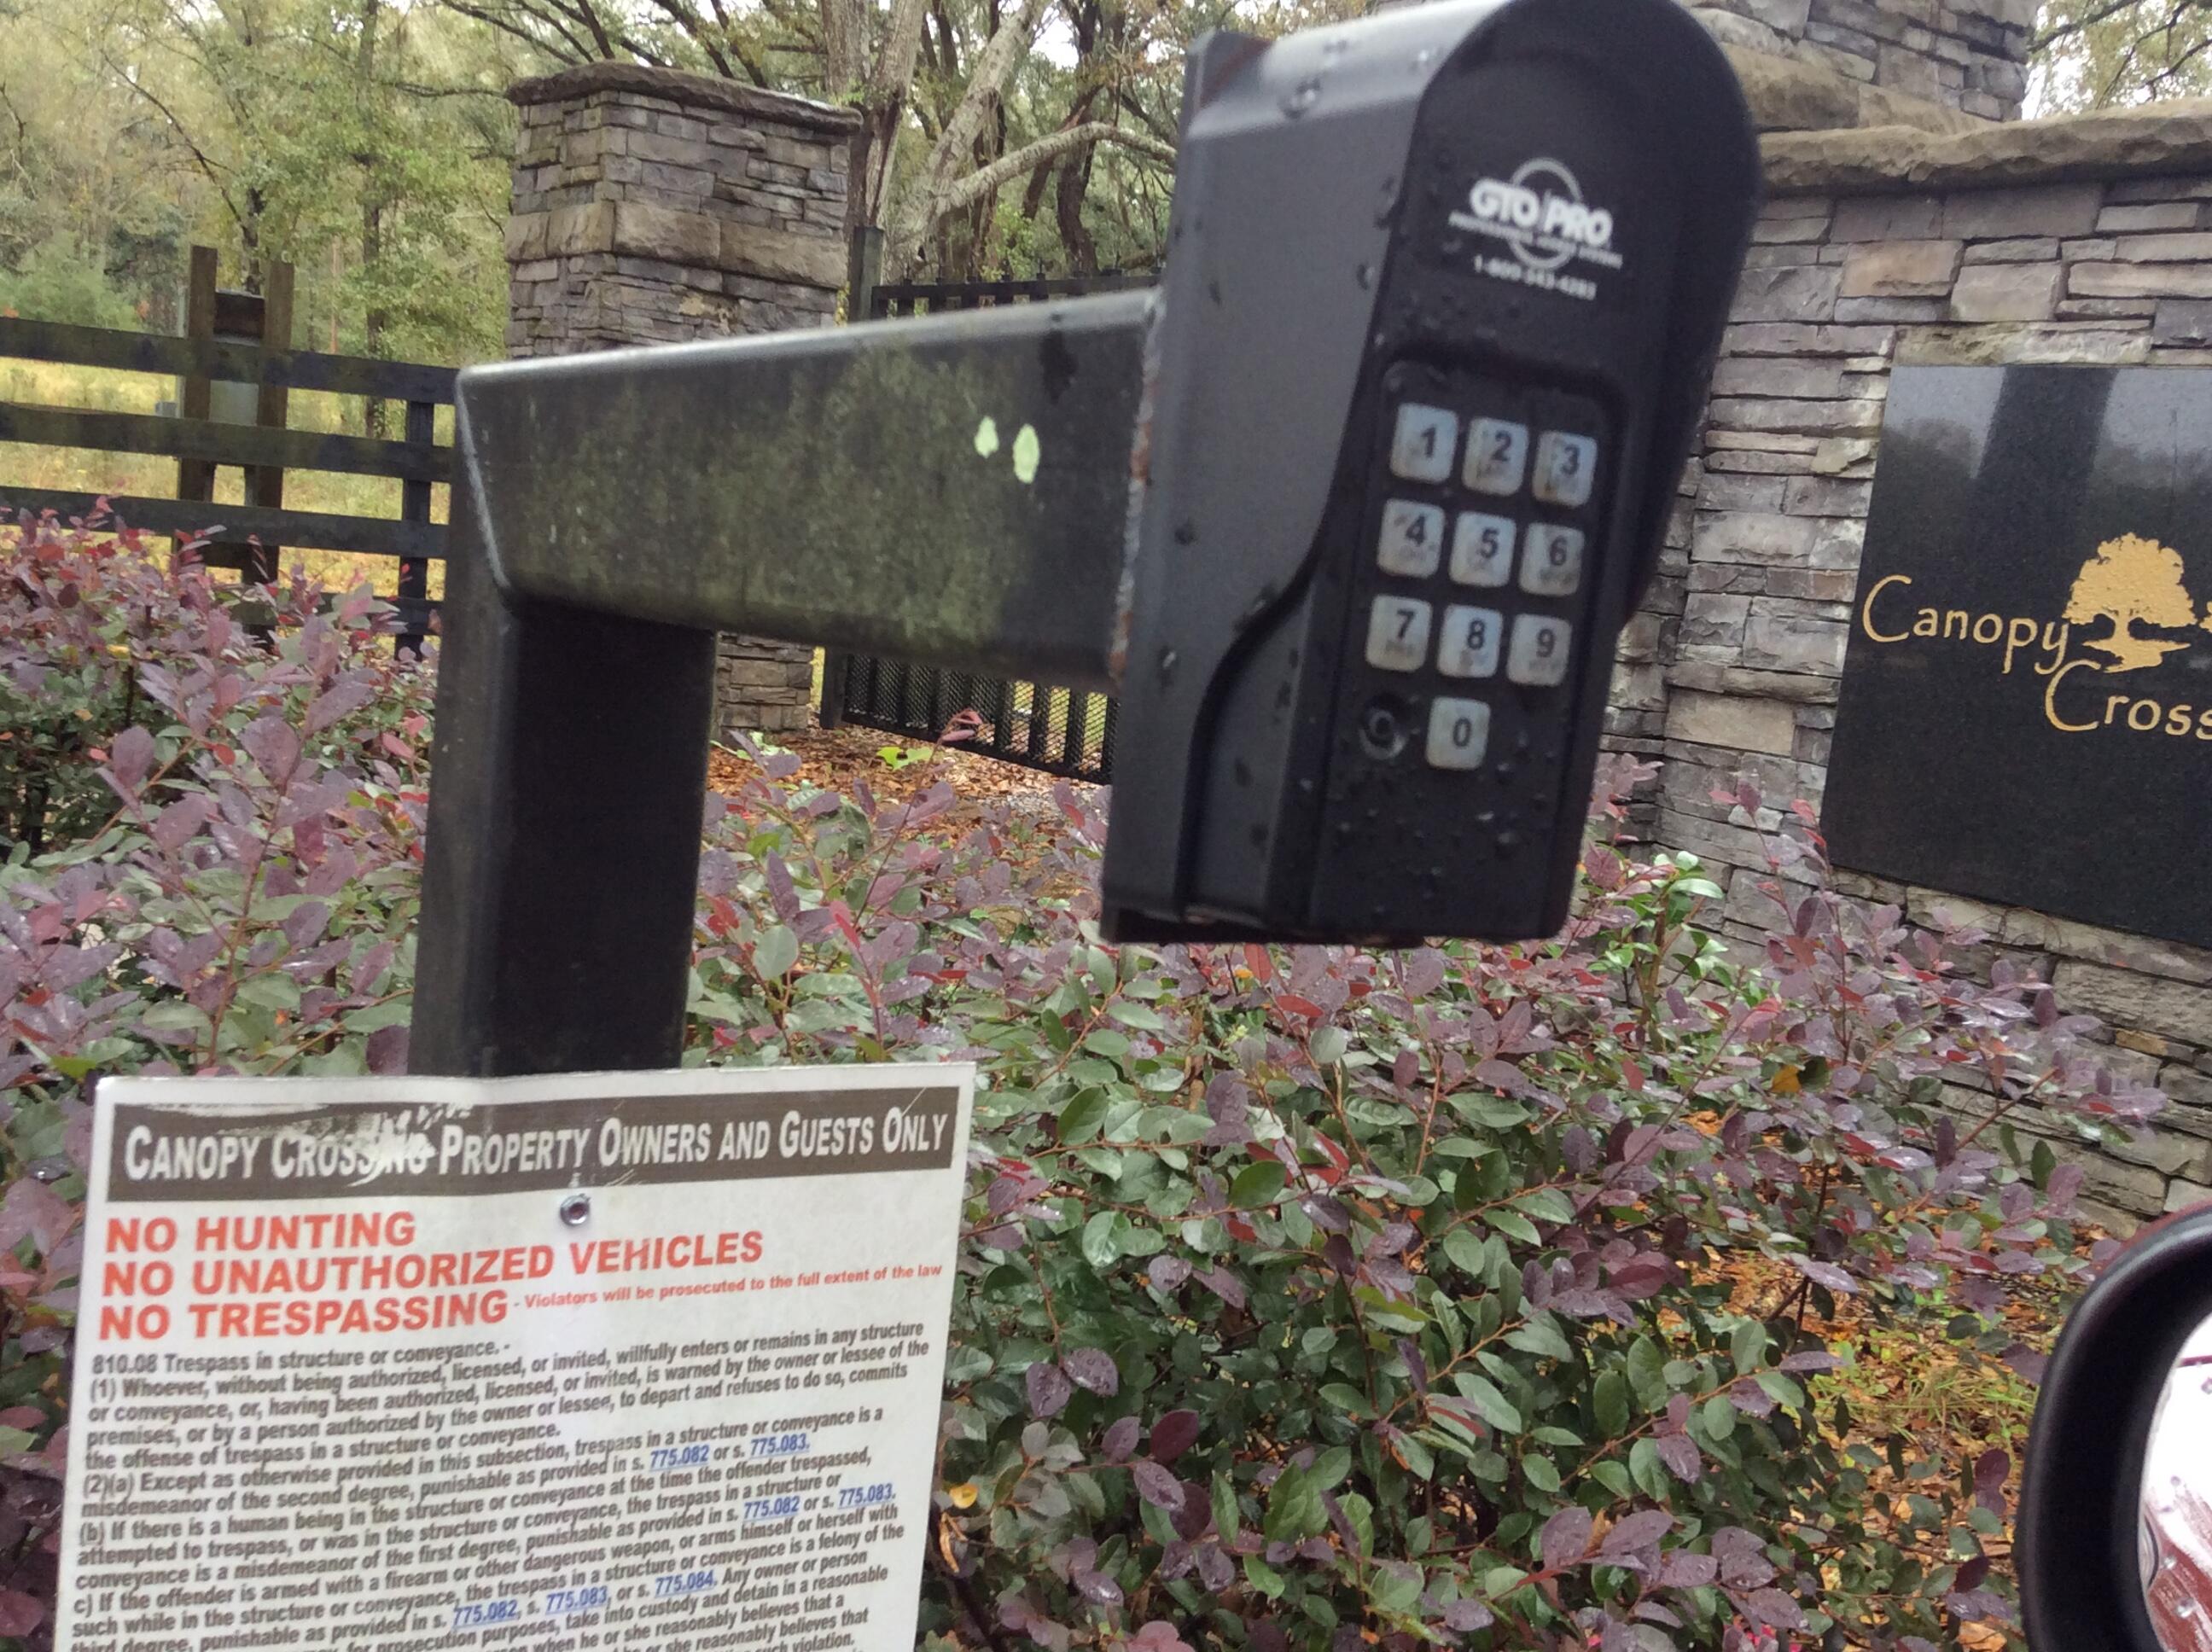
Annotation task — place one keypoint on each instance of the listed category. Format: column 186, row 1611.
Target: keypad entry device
column 1488, row 497
column 1386, row 599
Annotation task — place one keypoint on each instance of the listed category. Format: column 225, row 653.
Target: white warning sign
column 598, row 1359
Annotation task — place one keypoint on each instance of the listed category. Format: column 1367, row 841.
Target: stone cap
column 2149, row 141
column 1787, row 94
column 692, row 91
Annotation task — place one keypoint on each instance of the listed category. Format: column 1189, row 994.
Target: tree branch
column 1050, row 146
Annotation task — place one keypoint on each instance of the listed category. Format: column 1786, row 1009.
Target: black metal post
column 953, row 491
column 570, row 760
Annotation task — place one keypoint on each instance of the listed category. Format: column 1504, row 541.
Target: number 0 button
column 1459, row 733
column 1398, row 634
column 1421, row 447
column 1565, row 466
column 1537, row 657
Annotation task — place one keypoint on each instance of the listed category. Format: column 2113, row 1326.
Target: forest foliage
column 368, row 140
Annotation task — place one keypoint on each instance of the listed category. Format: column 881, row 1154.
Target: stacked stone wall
column 1875, row 250
column 1970, row 56
column 652, row 207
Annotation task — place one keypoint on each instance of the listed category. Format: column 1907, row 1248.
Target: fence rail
column 266, row 449
column 1034, row 725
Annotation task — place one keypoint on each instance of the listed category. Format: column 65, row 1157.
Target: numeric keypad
column 1487, row 495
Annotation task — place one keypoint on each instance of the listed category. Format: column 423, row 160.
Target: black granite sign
column 2027, row 711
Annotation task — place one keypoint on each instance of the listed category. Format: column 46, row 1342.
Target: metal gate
column 1038, row 726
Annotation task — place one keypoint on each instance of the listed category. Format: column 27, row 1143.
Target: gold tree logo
column 2133, row 581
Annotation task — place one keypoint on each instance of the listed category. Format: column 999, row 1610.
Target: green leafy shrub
column 1317, row 1297
column 1326, row 1297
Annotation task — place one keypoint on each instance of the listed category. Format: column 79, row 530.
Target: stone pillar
column 652, row 207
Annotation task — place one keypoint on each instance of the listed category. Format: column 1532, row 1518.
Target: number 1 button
column 1421, row 447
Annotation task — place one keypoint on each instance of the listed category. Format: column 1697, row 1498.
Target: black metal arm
column 954, row 491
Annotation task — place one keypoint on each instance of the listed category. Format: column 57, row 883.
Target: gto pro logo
column 1541, row 216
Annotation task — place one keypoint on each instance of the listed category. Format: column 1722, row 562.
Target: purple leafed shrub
column 208, row 863
column 1313, row 1298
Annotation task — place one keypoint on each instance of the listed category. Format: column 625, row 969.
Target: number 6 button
column 1553, row 565
column 1538, row 657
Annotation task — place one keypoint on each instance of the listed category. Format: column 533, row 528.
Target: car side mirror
column 2114, row 1543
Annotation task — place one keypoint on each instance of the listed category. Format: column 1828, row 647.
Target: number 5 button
column 1398, row 634
column 1538, row 657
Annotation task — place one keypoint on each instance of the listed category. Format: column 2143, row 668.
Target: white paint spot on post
column 1027, row 451
column 987, row 437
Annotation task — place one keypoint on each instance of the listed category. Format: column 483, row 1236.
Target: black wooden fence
column 1060, row 730
column 417, row 463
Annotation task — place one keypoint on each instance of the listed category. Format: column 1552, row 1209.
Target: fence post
column 265, row 483
column 196, row 478
column 415, row 507
column 863, row 268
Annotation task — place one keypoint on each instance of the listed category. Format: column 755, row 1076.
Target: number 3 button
column 1538, row 657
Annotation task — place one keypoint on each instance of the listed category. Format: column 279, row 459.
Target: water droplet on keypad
column 1185, row 533
column 1302, row 97
column 1169, row 659
column 1503, row 771
column 1365, row 276
column 1508, row 841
